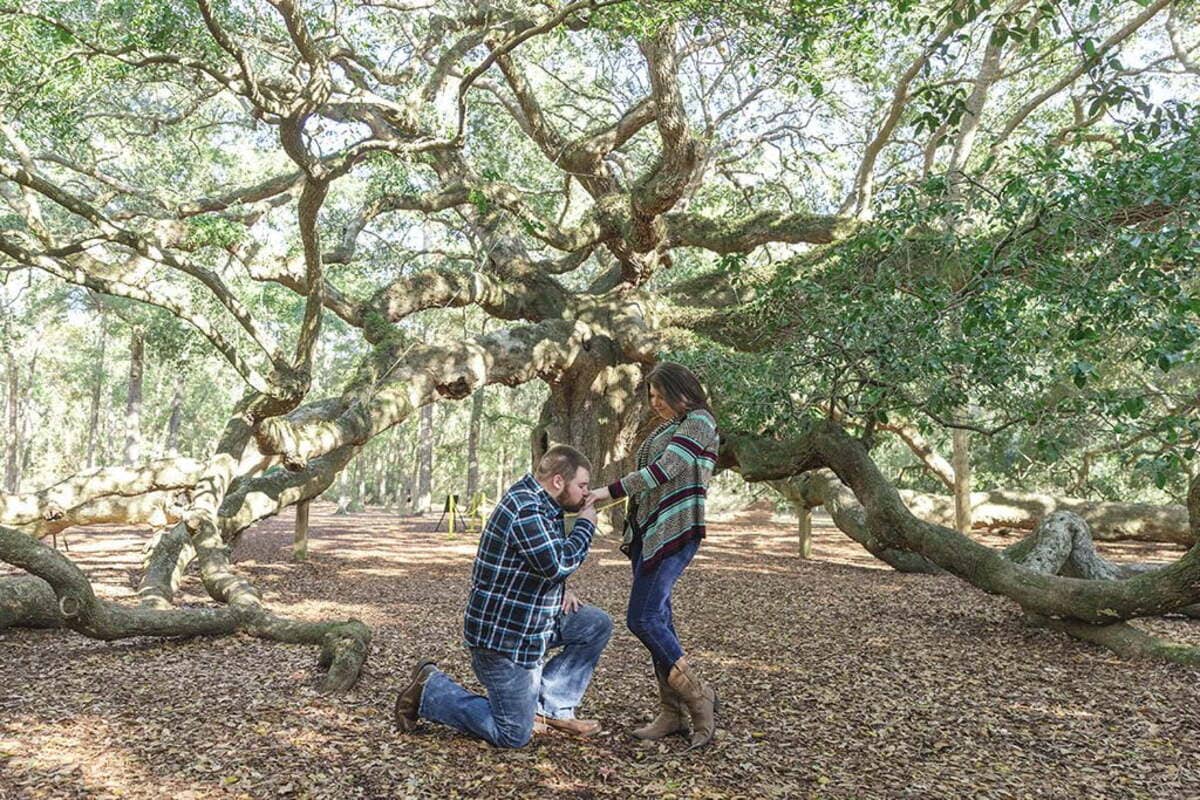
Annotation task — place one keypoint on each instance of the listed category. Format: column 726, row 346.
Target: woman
column 663, row 529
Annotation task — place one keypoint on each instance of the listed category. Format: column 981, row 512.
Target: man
column 517, row 611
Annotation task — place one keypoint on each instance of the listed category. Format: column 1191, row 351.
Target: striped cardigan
column 667, row 490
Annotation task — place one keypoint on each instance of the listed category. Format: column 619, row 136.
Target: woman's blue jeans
column 514, row 693
column 649, row 616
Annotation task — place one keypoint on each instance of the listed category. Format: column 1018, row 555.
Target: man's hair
column 561, row 459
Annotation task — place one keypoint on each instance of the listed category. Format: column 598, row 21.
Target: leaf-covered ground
column 839, row 679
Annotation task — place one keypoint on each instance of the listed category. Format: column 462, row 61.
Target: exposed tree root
column 1126, row 641
column 56, row 593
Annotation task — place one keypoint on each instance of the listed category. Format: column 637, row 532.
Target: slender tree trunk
column 133, row 399
column 24, row 419
column 962, row 481
column 382, row 484
column 300, row 542
column 361, row 483
column 423, row 499
column 12, row 449
column 501, row 472
column 174, row 421
column 357, row 501
column 97, row 392
column 804, row 517
column 473, row 444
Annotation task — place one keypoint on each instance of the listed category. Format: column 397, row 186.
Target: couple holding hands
column 517, row 610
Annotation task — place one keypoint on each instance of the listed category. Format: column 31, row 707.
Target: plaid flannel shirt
column 517, row 583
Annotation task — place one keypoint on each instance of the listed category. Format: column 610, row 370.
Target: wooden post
column 805, row 520
column 300, row 543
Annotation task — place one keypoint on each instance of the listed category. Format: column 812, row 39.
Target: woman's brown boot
column 670, row 717
column 701, row 702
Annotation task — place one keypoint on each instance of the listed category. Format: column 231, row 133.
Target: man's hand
column 588, row 511
column 571, row 602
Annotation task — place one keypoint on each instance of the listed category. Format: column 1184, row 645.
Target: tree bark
column 598, row 409
column 112, row 494
column 174, row 421
column 344, row 645
column 133, row 399
column 28, row 602
column 804, row 529
column 300, row 541
column 423, row 499
column 961, row 459
column 169, row 554
column 473, row 443
column 93, row 431
column 12, row 445
column 1100, row 602
column 598, row 406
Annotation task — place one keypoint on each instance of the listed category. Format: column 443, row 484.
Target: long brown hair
column 678, row 385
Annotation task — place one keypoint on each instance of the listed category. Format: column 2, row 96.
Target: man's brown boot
column 408, row 702
column 701, row 701
column 574, row 727
column 670, row 719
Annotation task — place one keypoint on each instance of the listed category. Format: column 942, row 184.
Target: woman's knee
column 642, row 625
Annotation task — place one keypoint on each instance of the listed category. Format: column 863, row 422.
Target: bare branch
column 1082, row 66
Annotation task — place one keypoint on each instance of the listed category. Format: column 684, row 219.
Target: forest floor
column 839, row 678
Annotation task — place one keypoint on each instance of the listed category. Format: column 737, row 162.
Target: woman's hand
column 600, row 495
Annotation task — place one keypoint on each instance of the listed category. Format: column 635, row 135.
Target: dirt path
column 839, row 679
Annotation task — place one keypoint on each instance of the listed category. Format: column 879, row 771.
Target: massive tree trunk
column 598, row 409
column 133, row 399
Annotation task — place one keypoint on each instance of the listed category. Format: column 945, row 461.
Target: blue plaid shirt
column 517, row 584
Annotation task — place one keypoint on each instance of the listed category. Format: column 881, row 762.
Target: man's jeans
column 649, row 617
column 514, row 693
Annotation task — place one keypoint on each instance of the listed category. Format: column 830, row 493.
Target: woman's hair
column 678, row 385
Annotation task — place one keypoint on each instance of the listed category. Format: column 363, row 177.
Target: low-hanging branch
column 1097, row 602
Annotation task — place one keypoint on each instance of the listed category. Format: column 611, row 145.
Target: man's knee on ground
column 514, row 736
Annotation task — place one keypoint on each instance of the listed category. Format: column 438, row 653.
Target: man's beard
column 561, row 499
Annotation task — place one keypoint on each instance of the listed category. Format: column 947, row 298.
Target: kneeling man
column 516, row 612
